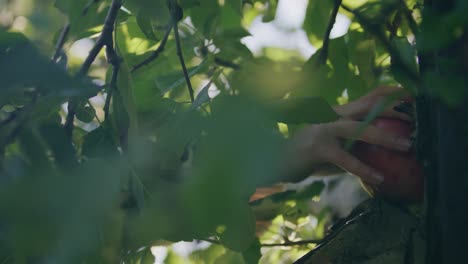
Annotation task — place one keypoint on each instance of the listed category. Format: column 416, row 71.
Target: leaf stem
column 179, row 50
column 292, row 243
column 156, row 53
column 326, row 40
column 225, row 63
column 110, row 91
column 60, row 42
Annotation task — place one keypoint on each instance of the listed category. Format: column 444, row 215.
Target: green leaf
column 339, row 58
column 146, row 256
column 406, row 67
column 362, row 53
column 58, row 142
column 239, row 232
column 144, row 22
column 203, row 96
column 99, row 143
column 229, row 257
column 236, row 5
column 357, row 87
column 304, row 110
column 212, row 252
column 271, row 11
column 23, row 68
column 318, row 81
column 230, row 17
column 132, row 38
column 43, row 208
column 204, row 17
column 231, row 168
column 120, row 115
column 153, row 16
column 81, row 20
column 252, row 255
column 317, row 17
column 33, row 148
column 85, row 113
column 265, row 79
column 126, row 107
column 176, row 79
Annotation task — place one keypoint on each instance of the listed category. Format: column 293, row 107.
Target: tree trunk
column 376, row 232
column 445, row 154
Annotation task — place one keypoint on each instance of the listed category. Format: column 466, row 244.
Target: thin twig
column 156, row 53
column 179, row 52
column 225, row 63
column 95, row 113
column 115, row 61
column 110, row 91
column 292, row 243
column 60, row 42
column 380, row 35
column 326, row 39
column 104, row 39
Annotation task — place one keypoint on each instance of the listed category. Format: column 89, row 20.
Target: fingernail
column 404, row 143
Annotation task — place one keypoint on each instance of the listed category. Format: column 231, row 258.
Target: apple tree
column 166, row 126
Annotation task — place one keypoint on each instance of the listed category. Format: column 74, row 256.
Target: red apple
column 403, row 178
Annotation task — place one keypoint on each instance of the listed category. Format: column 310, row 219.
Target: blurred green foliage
column 143, row 164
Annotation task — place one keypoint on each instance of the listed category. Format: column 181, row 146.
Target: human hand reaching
column 320, row 144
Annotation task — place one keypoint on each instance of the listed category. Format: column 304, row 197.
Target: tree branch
column 225, row 63
column 292, row 243
column 380, row 35
column 156, row 53
column 179, row 50
column 326, row 39
column 60, row 42
column 115, row 60
column 104, row 39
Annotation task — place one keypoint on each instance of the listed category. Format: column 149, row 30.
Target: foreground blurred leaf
column 407, row 67
column 25, row 69
column 99, row 143
column 237, row 155
column 83, row 15
column 304, row 110
column 57, row 217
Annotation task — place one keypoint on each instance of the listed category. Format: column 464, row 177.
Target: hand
column 358, row 109
column 316, row 145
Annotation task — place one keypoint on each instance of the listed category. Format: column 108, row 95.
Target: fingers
column 368, row 133
column 353, row 165
column 398, row 95
column 360, row 108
